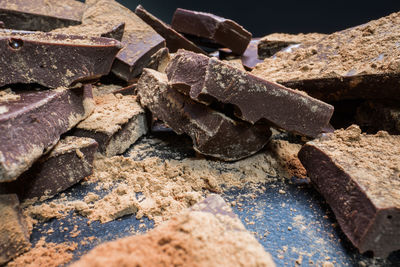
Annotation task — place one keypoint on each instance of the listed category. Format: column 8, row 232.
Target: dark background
column 290, row 16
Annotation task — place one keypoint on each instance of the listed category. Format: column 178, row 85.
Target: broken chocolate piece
column 40, row 15
column 14, row 233
column 31, row 123
column 159, row 60
column 216, row 29
column 250, row 56
column 359, row 176
column 70, row 161
column 174, row 40
column 116, row 123
column 206, row 79
column 140, row 41
column 213, row 133
column 54, row 60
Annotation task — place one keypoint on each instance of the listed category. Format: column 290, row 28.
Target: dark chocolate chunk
column 54, row 60
column 359, row 176
column 213, row 133
column 375, row 116
column 250, row 57
column 69, row 161
column 14, row 233
column 174, row 40
column 159, row 60
column 40, row 15
column 218, row 30
column 208, row 79
column 31, row 123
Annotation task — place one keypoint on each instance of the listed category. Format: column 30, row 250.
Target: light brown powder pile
column 292, row 38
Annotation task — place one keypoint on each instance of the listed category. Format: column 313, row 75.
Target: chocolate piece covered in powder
column 40, row 15
column 213, row 133
column 31, row 123
column 255, row 99
column 140, row 41
column 219, row 30
column 69, row 161
column 54, row 60
column 14, row 233
column 359, row 176
column 159, row 60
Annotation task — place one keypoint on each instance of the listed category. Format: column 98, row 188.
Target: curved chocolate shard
column 54, row 60
column 40, row 15
column 219, row 30
column 359, row 176
column 206, row 79
column 31, row 123
column 213, row 133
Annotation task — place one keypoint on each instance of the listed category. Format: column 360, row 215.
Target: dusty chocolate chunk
column 250, row 57
column 54, row 60
column 375, row 116
column 213, row 133
column 216, row 29
column 31, row 123
column 140, row 41
column 40, row 15
column 159, row 60
column 359, row 176
column 208, row 79
column 69, row 161
column 14, row 233
column 116, row 123
column 173, row 39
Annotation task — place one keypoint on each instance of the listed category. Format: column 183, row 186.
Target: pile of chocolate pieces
column 79, row 79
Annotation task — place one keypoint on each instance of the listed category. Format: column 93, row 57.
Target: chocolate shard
column 359, row 176
column 140, row 41
column 14, row 233
column 69, row 161
column 116, row 123
column 159, row 60
column 31, row 123
column 173, row 39
column 250, row 57
column 213, row 133
column 54, row 60
column 208, row 79
column 216, row 29
column 40, row 15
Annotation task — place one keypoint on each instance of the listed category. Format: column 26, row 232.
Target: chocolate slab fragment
column 140, row 41
column 213, row 133
column 359, row 176
column 375, row 116
column 116, row 123
column 40, row 15
column 14, row 233
column 207, row 79
column 69, row 161
column 174, row 40
column 219, row 30
column 31, row 123
column 159, row 60
column 54, row 60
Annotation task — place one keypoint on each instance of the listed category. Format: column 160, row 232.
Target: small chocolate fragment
column 40, row 15
column 14, row 233
column 116, row 123
column 207, row 79
column 159, row 60
column 54, row 60
column 216, row 29
column 174, row 40
column 31, row 123
column 213, row 133
column 375, row 116
column 359, row 176
column 250, row 57
column 70, row 161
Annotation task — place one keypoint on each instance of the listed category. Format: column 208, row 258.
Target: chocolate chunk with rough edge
column 359, row 176
column 219, row 30
column 213, row 133
column 14, row 233
column 31, row 123
column 116, row 123
column 250, row 57
column 159, row 60
column 140, row 41
column 69, row 161
column 208, row 79
column 54, row 60
column 173, row 39
column 40, row 15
